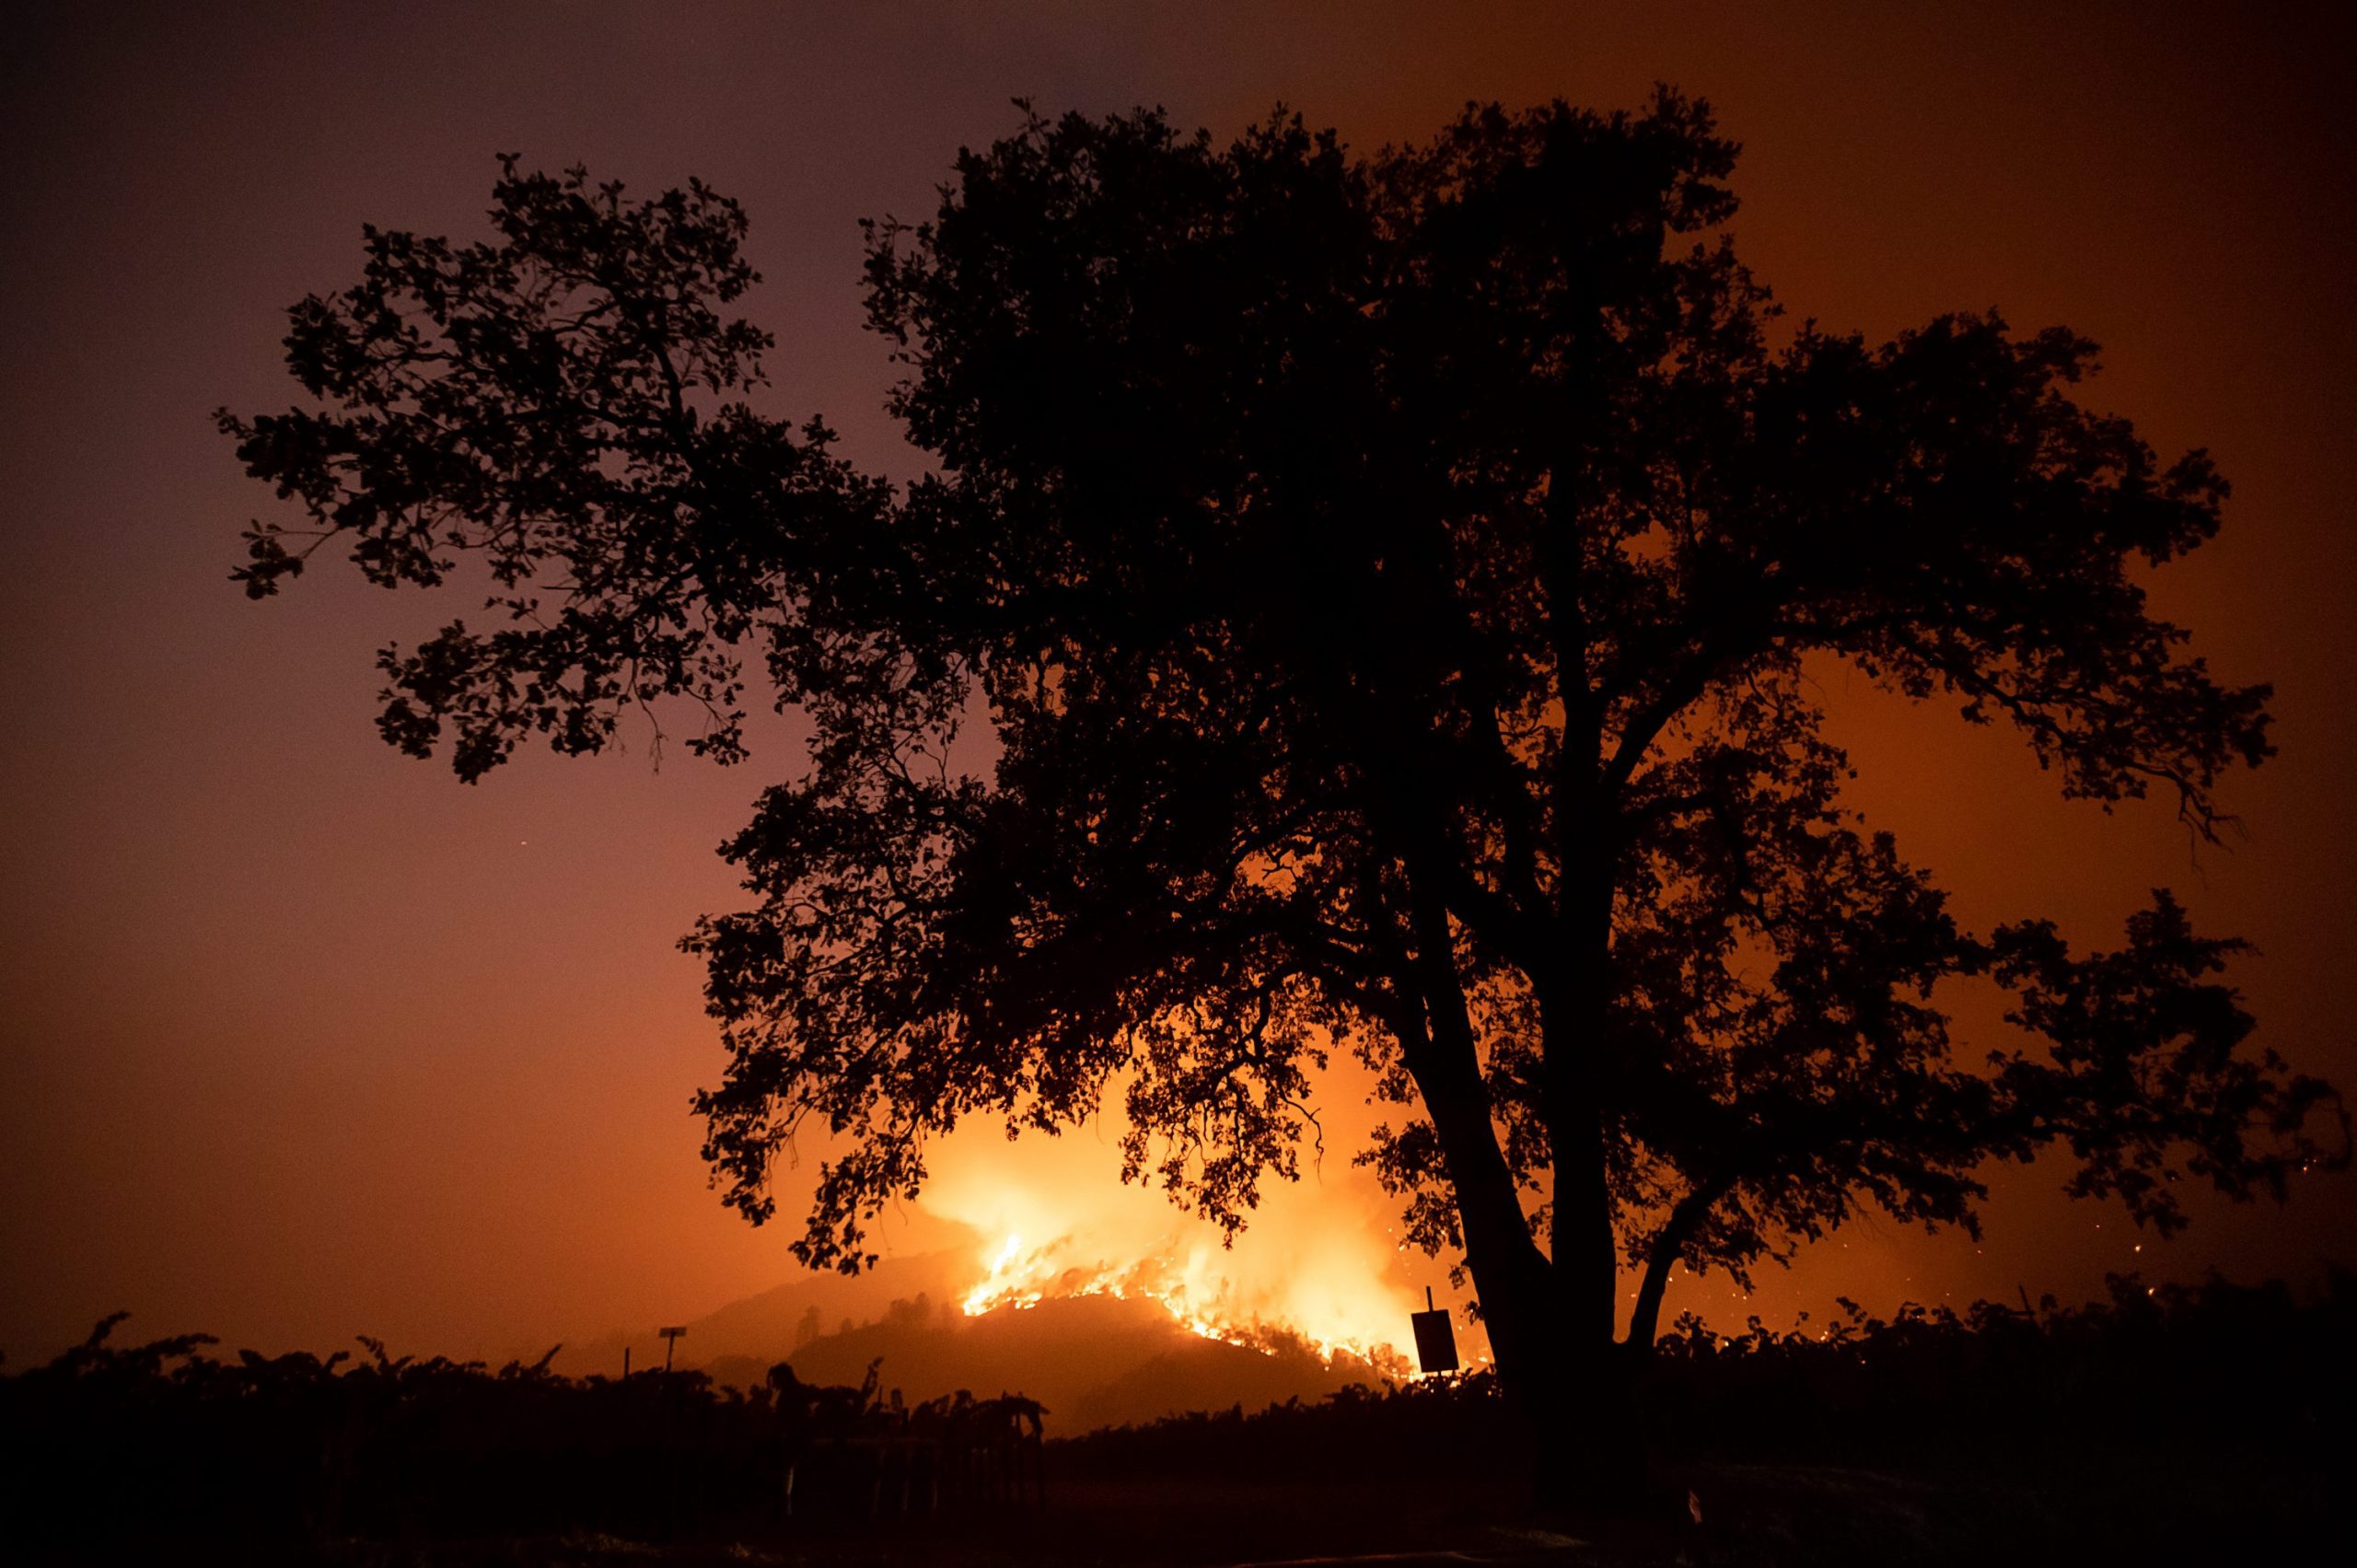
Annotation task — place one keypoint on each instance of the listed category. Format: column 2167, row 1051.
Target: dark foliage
column 160, row 1442
column 2198, row 1373
column 165, row 1443
column 157, row 1442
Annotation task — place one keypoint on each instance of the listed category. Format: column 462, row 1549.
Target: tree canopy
column 1386, row 582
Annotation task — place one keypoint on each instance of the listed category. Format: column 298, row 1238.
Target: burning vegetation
column 1198, row 1297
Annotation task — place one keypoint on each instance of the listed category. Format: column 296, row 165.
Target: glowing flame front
column 1189, row 1284
column 1318, row 1268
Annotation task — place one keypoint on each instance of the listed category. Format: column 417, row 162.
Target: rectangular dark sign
column 1435, row 1340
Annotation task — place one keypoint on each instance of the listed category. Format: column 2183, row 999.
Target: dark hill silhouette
column 763, row 1329
column 1092, row 1361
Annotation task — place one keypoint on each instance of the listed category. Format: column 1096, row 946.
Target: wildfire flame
column 1018, row 1281
column 1191, row 1285
column 1186, row 1288
column 1320, row 1267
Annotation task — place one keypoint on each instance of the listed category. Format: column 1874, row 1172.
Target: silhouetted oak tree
column 1388, row 584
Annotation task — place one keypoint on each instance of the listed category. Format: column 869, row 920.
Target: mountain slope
column 1093, row 1361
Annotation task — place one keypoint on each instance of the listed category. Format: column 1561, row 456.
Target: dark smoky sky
column 305, row 1038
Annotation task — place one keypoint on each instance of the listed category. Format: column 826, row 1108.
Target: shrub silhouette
column 165, row 1441
column 162, row 1441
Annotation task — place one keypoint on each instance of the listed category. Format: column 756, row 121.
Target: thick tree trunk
column 1593, row 1448
column 1510, row 1273
column 1550, row 1321
column 1601, row 1450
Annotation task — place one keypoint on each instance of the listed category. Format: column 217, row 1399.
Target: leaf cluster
column 1387, row 584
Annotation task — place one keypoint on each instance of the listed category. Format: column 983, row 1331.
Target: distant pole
column 670, row 1338
column 625, row 1361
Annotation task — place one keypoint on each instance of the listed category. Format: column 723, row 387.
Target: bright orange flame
column 1320, row 1264
column 1202, row 1297
column 1018, row 1282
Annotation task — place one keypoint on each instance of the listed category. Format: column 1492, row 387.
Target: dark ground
column 1754, row 1515
column 2208, row 1425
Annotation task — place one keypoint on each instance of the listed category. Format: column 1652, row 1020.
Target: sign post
column 672, row 1337
column 1436, row 1338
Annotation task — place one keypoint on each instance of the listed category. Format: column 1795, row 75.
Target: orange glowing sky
column 304, row 1038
